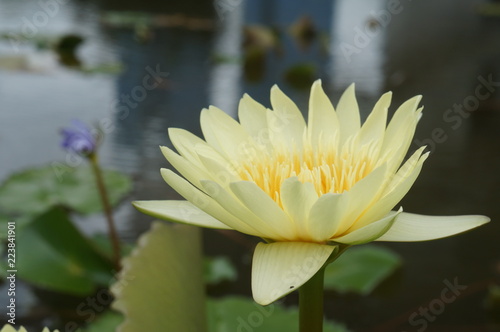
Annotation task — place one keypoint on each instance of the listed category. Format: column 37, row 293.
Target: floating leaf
column 243, row 314
column 218, row 269
column 53, row 254
column 160, row 287
column 361, row 269
column 36, row 190
column 106, row 322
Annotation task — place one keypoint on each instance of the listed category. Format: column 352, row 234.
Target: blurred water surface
column 192, row 54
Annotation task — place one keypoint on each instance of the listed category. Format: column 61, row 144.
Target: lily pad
column 161, row 285
column 361, row 269
column 243, row 314
column 53, row 254
column 106, row 322
column 35, row 190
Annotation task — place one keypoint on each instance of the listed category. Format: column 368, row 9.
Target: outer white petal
column 186, row 143
column 265, row 208
column 179, row 211
column 286, row 123
column 396, row 189
column 248, row 219
column 280, row 268
column 348, row 114
column 369, row 232
column 224, row 133
column 322, row 119
column 326, row 215
column 190, row 171
column 410, row 227
column 297, row 199
column 206, row 203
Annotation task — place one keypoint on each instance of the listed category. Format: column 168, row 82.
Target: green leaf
column 361, row 269
column 161, row 285
column 106, row 322
column 218, row 269
column 243, row 314
column 36, row 190
column 53, row 254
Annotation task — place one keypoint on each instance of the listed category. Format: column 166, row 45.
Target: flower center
column 327, row 169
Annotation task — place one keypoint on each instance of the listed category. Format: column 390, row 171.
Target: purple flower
column 78, row 138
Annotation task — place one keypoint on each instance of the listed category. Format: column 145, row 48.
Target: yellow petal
column 253, row 118
column 206, row 203
column 373, row 130
column 286, row 123
column 322, row 120
column 297, row 199
column 410, row 227
column 224, row 133
column 280, row 268
column 179, row 211
column 264, row 207
column 348, row 114
column 326, row 215
column 369, row 232
column 248, row 220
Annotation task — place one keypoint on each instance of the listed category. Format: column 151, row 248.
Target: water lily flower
column 79, row 138
column 306, row 189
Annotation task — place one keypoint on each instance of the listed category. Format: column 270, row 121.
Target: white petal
column 191, row 172
column 297, row 199
column 322, row 119
column 373, row 129
column 224, row 133
column 186, row 143
column 396, row 189
column 179, row 211
column 348, row 114
column 286, row 123
column 280, row 268
column 369, row 232
column 234, row 206
column 410, row 227
column 253, row 118
column 326, row 215
column 264, row 207
column 206, row 203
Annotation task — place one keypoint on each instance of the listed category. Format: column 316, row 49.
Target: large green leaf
column 361, row 269
column 243, row 314
column 107, row 322
column 161, row 285
column 35, row 190
column 53, row 254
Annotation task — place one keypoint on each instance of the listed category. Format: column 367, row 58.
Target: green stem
column 113, row 235
column 311, row 303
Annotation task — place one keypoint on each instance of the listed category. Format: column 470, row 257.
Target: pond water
column 177, row 59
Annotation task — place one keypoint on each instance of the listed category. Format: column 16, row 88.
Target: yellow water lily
column 303, row 188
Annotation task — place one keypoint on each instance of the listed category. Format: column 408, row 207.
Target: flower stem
column 113, row 235
column 311, row 304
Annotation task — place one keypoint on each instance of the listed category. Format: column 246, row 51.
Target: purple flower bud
column 78, row 138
